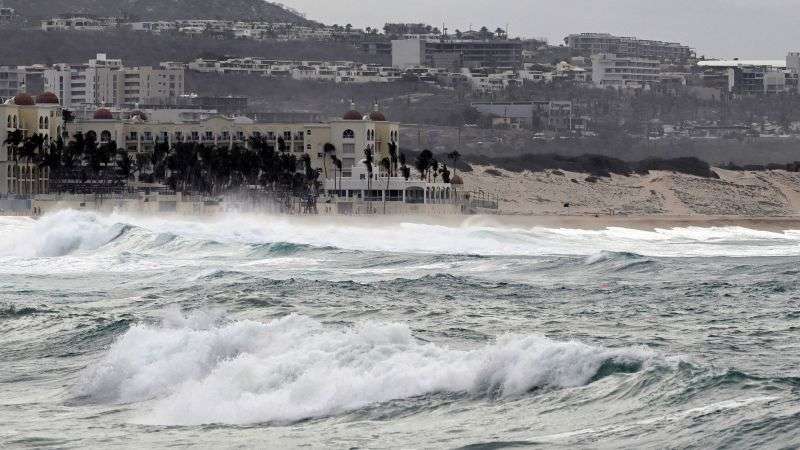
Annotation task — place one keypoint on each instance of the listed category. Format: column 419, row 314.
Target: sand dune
column 745, row 194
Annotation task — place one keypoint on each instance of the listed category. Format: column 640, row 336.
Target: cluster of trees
column 430, row 168
column 84, row 164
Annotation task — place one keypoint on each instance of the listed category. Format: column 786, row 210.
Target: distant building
column 105, row 81
column 7, row 15
column 609, row 70
column 629, row 47
column 12, row 82
column 749, row 77
column 456, row 53
column 537, row 115
column 83, row 22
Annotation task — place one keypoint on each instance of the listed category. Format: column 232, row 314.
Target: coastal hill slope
column 160, row 9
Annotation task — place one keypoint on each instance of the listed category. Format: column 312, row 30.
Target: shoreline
column 578, row 222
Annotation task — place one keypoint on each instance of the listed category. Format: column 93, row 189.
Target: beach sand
column 747, row 196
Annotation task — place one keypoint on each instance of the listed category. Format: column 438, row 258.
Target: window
column 105, row 136
column 348, row 134
column 209, row 136
column 134, row 136
column 287, row 135
column 348, row 149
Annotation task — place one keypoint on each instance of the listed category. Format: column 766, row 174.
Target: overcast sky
column 723, row 28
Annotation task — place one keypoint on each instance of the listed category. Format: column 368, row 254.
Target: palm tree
column 386, row 164
column 454, row 156
column 13, row 141
column 445, row 174
column 337, row 165
column 393, row 158
column 327, row 149
column 423, row 163
column 368, row 164
column 403, row 168
column 124, row 164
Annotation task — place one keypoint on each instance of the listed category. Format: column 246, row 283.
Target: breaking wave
column 70, row 232
column 197, row 371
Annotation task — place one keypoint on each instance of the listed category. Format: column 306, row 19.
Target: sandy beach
column 771, row 196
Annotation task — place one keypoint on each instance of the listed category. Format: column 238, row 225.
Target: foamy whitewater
column 274, row 332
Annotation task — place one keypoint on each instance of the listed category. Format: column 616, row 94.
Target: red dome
column 24, row 100
column 48, row 98
column 353, row 115
column 103, row 114
column 377, row 116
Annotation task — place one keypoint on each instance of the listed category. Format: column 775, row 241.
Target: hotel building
column 350, row 135
column 40, row 115
column 628, row 47
column 609, row 70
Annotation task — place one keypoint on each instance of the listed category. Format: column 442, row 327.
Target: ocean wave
column 67, row 232
column 196, row 371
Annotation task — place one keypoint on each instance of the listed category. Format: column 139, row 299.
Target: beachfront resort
column 173, row 160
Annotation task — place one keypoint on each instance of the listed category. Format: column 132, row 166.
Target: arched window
column 46, row 122
column 9, row 121
column 15, row 122
column 41, row 122
column 348, row 134
column 105, row 136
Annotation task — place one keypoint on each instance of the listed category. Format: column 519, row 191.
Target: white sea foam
column 294, row 368
column 70, row 232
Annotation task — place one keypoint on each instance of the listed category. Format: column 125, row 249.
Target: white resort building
column 19, row 174
column 346, row 138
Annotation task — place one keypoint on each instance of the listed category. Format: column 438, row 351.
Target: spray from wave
column 197, row 371
column 71, row 232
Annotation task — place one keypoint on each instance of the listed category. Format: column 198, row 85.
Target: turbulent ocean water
column 273, row 332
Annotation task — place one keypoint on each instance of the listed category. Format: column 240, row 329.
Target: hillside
column 159, row 9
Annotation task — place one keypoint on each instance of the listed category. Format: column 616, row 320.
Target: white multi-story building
column 105, row 81
column 609, row 70
column 12, row 82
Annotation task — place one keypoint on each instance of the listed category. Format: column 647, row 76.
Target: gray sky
column 724, row 28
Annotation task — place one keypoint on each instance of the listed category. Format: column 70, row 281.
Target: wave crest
column 296, row 368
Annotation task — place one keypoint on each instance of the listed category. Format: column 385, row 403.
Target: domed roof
column 377, row 116
column 103, row 114
column 353, row 115
column 48, row 98
column 24, row 100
